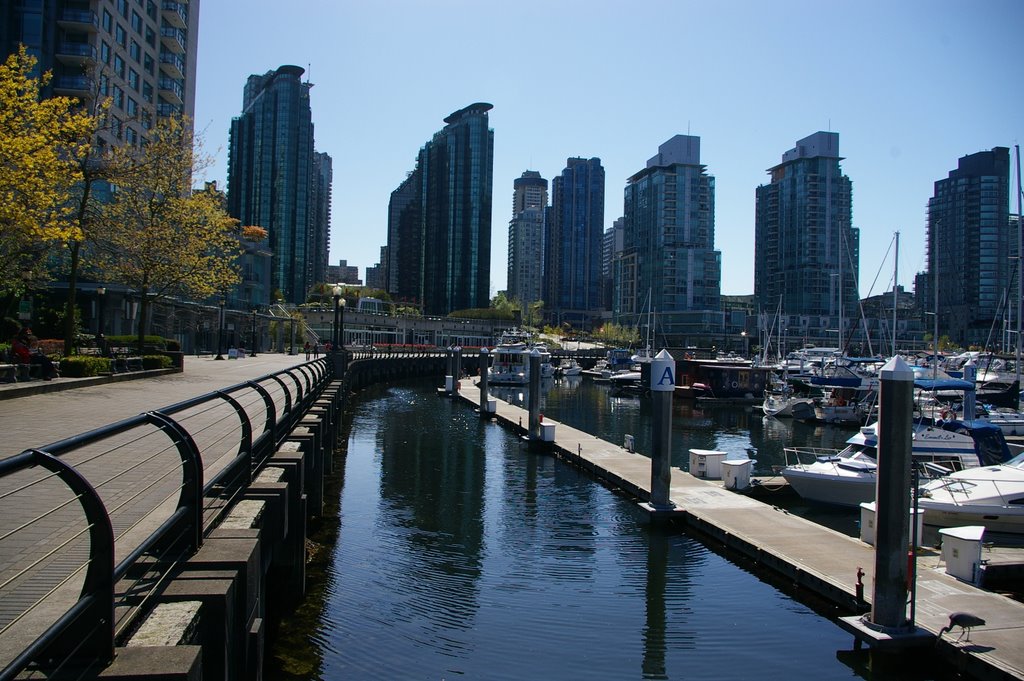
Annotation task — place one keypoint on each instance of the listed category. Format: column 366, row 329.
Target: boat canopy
column 943, row 384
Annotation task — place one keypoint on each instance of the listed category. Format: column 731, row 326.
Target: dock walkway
column 813, row 557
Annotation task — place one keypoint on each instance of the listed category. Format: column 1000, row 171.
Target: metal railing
column 92, row 525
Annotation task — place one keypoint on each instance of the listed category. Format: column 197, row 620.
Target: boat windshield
column 990, row 447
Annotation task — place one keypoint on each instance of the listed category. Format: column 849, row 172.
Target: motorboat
column 847, row 477
column 511, row 365
column 626, row 383
column 992, row 496
column 569, row 368
column 782, row 400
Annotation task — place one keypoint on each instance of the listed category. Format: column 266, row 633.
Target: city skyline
column 747, row 79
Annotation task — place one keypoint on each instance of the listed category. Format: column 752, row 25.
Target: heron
column 965, row 621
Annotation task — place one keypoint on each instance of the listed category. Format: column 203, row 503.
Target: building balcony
column 80, row 20
column 173, row 39
column 72, row 86
column 164, row 109
column 175, row 13
column 171, row 90
column 76, row 53
column 172, row 64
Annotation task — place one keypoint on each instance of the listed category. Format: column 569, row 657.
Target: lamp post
column 341, row 327
column 746, row 344
column 101, row 297
column 337, row 313
column 252, row 353
column 220, row 329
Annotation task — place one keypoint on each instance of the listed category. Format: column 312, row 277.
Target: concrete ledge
column 216, row 591
column 10, row 391
column 246, row 514
column 155, row 663
column 169, row 624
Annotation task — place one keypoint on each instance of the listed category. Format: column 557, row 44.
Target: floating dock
column 812, row 557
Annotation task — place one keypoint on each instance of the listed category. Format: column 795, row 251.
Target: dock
column 807, row 555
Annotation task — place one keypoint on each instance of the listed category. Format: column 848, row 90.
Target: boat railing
column 806, row 455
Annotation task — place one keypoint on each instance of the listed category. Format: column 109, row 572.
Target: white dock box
column 547, row 432
column 961, row 551
column 867, row 524
column 736, row 473
column 706, row 463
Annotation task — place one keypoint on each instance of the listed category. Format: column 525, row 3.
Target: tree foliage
column 42, row 142
column 615, row 334
column 157, row 236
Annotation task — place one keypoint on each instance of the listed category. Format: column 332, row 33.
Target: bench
column 123, row 361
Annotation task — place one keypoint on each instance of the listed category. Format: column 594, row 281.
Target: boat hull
column 827, row 488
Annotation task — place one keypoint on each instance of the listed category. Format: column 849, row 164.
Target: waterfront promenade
column 72, row 406
column 807, row 555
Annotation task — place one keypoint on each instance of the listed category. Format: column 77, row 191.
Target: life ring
column 735, row 385
column 945, row 414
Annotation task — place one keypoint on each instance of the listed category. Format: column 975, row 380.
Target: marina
column 813, row 557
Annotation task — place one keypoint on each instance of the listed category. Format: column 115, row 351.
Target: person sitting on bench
column 24, row 349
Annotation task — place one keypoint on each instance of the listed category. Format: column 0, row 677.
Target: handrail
column 86, row 631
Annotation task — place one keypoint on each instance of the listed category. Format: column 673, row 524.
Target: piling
column 970, row 397
column 484, row 370
column 892, row 498
column 663, row 385
column 533, row 402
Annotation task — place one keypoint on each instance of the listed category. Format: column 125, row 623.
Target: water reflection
column 462, row 553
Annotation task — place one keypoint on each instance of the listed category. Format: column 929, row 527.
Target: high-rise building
column 140, row 55
column 806, row 250
column 611, row 247
column 574, row 236
column 668, row 276
column 530, row 190
column 969, row 237
column 526, row 238
column 439, row 219
column 271, row 178
column 320, row 225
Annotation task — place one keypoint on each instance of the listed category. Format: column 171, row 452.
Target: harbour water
column 460, row 554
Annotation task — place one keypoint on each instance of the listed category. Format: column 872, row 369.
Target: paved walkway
column 72, row 406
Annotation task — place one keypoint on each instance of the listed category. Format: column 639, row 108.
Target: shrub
column 81, row 366
column 156, row 362
column 172, row 345
column 132, row 341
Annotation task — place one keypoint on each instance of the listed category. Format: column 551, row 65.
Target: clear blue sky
column 910, row 86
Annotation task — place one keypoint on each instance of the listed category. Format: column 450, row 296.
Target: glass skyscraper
column 969, row 239
column 573, row 243
column 439, row 220
column 668, row 271
column 806, row 251
column 526, row 238
column 271, row 179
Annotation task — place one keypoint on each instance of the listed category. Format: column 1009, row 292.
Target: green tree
column 156, row 235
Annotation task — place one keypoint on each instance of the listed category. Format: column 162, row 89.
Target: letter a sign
column 663, row 372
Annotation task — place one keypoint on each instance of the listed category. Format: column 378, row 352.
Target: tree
column 41, row 145
column 156, row 235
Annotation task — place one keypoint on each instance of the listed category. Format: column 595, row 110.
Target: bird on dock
column 965, row 621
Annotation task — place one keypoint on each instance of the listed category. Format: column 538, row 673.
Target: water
column 461, row 554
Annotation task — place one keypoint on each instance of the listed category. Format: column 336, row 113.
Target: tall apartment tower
column 969, row 238
column 669, row 271
column 320, row 225
column 142, row 55
column 271, row 177
column 439, row 219
column 526, row 237
column 806, row 251
column 611, row 247
column 575, row 232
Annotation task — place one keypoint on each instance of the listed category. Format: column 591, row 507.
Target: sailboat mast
column 895, row 278
column 1020, row 259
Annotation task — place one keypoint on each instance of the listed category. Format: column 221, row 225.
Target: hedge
column 81, row 366
column 156, row 362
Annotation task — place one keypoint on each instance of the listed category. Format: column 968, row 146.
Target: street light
column 100, row 299
column 220, row 329
column 252, row 353
column 339, row 319
column 746, row 344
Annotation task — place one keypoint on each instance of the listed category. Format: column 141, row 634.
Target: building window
column 148, row 63
column 108, row 21
column 135, row 51
column 133, row 79
column 131, row 136
column 115, row 127
column 119, row 65
column 147, row 92
column 151, row 9
column 132, row 108
column 118, row 97
column 121, row 35
column 105, row 52
column 104, row 86
column 150, row 37
column 137, row 23
column 122, row 8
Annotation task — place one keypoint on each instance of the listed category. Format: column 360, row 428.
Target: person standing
column 308, row 349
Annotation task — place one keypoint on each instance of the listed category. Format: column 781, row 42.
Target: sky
column 910, row 86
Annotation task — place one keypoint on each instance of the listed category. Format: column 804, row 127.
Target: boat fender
column 540, row 418
column 735, row 385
